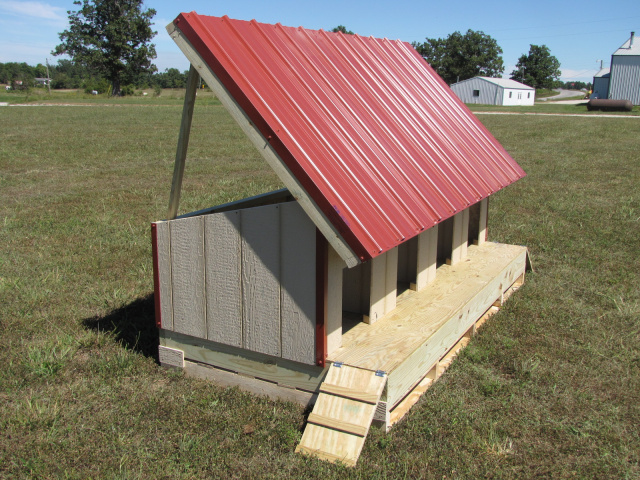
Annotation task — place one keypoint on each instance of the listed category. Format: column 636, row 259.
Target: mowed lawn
column 550, row 388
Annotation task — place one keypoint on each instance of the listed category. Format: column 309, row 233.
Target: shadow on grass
column 132, row 325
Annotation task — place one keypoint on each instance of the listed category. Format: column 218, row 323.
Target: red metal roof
column 371, row 132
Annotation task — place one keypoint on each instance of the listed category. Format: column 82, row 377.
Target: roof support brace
column 183, row 141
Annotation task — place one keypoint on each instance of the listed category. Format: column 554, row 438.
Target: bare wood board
column 342, row 415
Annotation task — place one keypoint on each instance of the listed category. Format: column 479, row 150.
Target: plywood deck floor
column 426, row 324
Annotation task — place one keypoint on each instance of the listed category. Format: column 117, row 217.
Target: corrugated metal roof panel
column 508, row 83
column 370, row 131
column 629, row 47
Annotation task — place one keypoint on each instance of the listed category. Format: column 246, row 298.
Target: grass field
column 550, row 388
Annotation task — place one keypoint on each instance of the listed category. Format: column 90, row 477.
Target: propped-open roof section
column 364, row 126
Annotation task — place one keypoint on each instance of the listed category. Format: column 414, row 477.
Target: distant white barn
column 494, row 91
column 624, row 83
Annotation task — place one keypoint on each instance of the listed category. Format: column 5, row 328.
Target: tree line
column 67, row 74
column 109, row 43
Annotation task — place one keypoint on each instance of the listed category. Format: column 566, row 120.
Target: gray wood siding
column 298, row 281
column 223, row 278
column 261, row 279
column 164, row 274
column 245, row 278
column 187, row 276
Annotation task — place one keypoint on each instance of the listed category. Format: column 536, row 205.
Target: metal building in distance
column 624, row 82
column 494, row 91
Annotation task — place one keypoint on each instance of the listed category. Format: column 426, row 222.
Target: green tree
column 459, row 57
column 343, row 29
column 538, row 69
column 111, row 38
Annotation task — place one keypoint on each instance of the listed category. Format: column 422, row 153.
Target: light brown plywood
column 427, row 258
column 482, row 233
column 245, row 362
column 334, row 301
column 342, row 415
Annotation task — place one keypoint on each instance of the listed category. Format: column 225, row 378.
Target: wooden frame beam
column 183, row 142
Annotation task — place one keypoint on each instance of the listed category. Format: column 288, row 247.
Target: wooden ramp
column 340, row 420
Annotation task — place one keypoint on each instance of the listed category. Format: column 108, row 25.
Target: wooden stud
column 482, row 231
column 458, row 239
column 322, row 298
column 383, row 285
column 333, row 325
column 464, row 234
column 162, row 281
column 391, row 280
column 183, row 142
column 427, row 258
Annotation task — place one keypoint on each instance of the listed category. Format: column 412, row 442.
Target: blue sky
column 579, row 34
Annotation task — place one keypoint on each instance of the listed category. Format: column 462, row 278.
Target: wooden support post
column 383, row 290
column 464, row 240
column 183, row 142
column 333, row 325
column 457, row 240
column 426, row 258
column 482, row 230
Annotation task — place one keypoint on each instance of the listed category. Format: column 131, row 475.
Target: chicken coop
column 352, row 288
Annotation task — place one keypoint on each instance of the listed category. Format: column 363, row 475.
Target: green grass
column 167, row 96
column 549, row 388
column 550, row 107
column 545, row 92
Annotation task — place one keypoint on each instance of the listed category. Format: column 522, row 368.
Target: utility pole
column 48, row 77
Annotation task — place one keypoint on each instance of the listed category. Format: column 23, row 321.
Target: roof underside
column 374, row 136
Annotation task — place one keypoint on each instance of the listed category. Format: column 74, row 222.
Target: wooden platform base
column 410, row 348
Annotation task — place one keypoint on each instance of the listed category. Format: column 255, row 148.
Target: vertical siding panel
column 456, row 241
column 164, row 274
column 391, row 280
column 427, row 260
column 464, row 235
column 260, row 229
column 378, row 284
column 223, row 281
column 624, row 81
column 482, row 228
column 298, row 283
column 187, row 273
column 334, row 301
